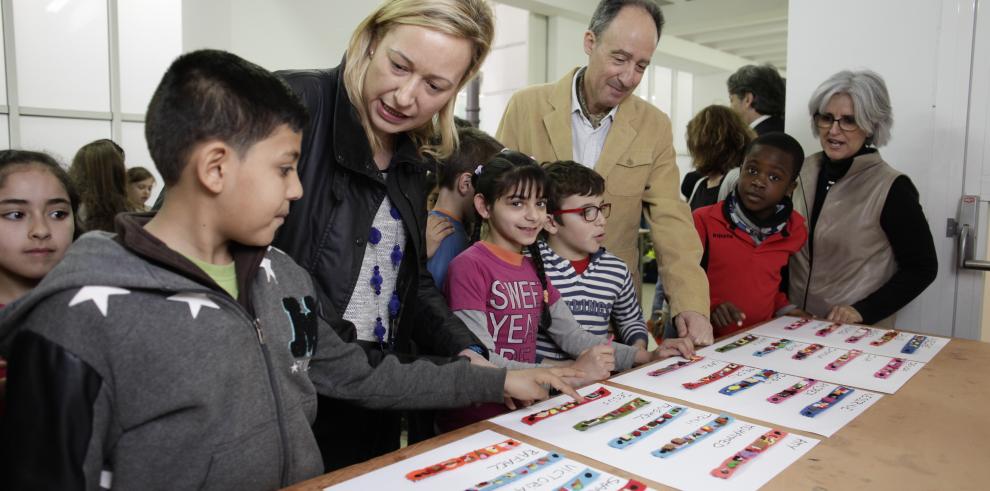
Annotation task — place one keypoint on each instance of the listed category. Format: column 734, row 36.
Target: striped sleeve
column 628, row 314
column 603, row 293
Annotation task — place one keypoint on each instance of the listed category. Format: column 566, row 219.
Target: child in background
column 595, row 285
column 37, row 224
column 189, row 352
column 99, row 176
column 455, row 200
column 749, row 237
column 503, row 296
column 140, row 184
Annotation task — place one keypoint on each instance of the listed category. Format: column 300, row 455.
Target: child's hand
column 437, row 229
column 674, row 347
column 596, row 362
column 531, row 384
column 726, row 314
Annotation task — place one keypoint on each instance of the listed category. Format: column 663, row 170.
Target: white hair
column 871, row 102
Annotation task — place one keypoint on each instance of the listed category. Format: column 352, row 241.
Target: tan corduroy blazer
column 640, row 172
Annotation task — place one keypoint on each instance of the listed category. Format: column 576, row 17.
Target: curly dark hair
column 717, row 139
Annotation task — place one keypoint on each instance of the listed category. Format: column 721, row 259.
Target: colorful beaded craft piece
column 886, row 338
column 774, row 346
column 745, row 384
column 670, row 368
column 913, row 344
column 624, row 410
column 678, row 444
column 583, row 479
column 749, row 338
column 829, row 329
column 839, row 393
column 707, row 379
column 625, row 441
column 790, row 391
column 518, row 473
column 534, row 418
column 807, row 351
column 843, row 359
column 889, row 368
column 753, row 450
column 470, row 457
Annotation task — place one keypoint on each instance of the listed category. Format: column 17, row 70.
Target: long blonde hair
column 469, row 19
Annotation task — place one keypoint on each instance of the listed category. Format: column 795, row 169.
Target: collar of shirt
column 759, row 120
column 576, row 106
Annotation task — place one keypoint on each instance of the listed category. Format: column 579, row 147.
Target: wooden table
column 934, row 433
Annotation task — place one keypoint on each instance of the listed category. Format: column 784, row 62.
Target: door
column 973, row 230
column 933, row 56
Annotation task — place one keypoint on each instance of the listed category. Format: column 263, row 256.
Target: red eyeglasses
column 590, row 213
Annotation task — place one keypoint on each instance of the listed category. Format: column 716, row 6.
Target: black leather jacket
column 327, row 230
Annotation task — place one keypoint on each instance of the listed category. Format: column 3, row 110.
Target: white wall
column 507, row 67
column 275, row 35
column 565, row 48
column 710, row 89
column 925, row 74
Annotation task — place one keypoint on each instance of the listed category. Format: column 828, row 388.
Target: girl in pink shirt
column 503, row 295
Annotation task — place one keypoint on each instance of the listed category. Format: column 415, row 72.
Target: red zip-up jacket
column 741, row 272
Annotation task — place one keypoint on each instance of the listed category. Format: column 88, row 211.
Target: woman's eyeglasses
column 590, row 213
column 846, row 123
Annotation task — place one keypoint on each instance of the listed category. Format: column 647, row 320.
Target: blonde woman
column 379, row 120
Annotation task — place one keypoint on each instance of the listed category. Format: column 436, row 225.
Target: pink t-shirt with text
column 509, row 294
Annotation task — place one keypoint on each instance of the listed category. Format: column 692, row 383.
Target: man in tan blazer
column 591, row 116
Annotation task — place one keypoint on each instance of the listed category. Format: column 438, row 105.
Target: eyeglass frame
column 847, row 118
column 605, row 209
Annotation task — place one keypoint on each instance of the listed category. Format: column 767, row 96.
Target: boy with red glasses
column 595, row 284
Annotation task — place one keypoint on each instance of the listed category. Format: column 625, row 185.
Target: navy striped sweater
column 603, row 293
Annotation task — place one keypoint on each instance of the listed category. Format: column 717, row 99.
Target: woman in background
column 717, row 139
column 869, row 250
column 99, row 176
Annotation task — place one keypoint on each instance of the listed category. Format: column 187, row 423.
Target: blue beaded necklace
column 395, row 256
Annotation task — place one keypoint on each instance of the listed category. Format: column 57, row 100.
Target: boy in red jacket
column 749, row 237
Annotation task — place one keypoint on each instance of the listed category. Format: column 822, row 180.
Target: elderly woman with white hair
column 869, row 249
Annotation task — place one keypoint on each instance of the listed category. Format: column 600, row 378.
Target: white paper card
column 688, row 468
column 553, row 476
column 838, row 338
column 753, row 401
column 858, row 372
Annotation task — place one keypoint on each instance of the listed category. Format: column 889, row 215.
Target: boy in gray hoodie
column 183, row 352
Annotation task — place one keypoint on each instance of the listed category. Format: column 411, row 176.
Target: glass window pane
column 663, row 81
column 3, row 73
column 683, row 114
column 137, row 155
column 150, row 38
column 643, row 89
column 4, row 131
column 61, row 137
column 62, row 54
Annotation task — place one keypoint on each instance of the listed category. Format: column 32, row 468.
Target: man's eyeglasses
column 590, row 213
column 846, row 123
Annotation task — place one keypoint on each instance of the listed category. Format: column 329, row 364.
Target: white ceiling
column 702, row 35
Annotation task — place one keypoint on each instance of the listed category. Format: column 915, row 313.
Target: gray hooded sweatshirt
column 130, row 371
